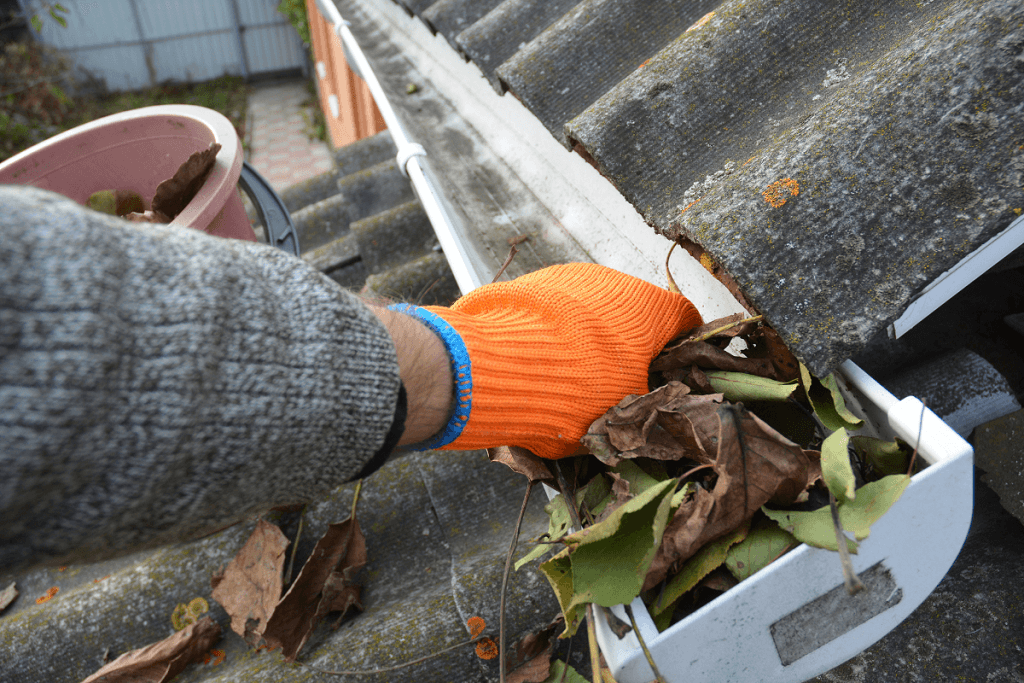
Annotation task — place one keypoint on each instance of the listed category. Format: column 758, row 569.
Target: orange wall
column 357, row 115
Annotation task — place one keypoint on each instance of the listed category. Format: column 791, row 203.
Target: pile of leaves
column 171, row 197
column 729, row 462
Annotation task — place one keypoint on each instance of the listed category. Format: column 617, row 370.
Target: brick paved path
column 278, row 146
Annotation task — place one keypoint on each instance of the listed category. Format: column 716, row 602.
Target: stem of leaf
column 647, row 653
column 504, row 583
column 850, row 578
column 511, row 255
column 595, row 659
column 355, row 498
column 295, row 547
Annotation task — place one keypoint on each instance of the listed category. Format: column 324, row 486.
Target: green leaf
column 679, row 496
column 707, row 559
column 611, row 559
column 827, row 402
column 558, row 571
column 762, row 546
column 835, row 466
column 888, row 457
column 815, row 527
column 740, row 386
column 639, row 480
column 595, row 495
column 36, row 22
column 558, row 526
column 58, row 18
column 60, row 8
column 561, row 672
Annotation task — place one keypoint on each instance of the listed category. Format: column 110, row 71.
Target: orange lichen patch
column 748, row 160
column 476, row 626
column 101, row 578
column 687, row 208
column 708, row 263
column 62, row 569
column 700, row 22
column 48, row 595
column 645, row 63
column 1017, row 211
column 214, row 657
column 779, row 192
column 486, row 649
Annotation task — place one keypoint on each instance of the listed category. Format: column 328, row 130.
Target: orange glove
column 537, row 359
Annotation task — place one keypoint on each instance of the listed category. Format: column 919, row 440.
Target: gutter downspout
column 410, row 158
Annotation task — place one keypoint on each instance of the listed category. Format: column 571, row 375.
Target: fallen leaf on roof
column 7, row 596
column 249, row 588
column 531, row 658
column 321, row 584
column 163, row 660
column 174, row 194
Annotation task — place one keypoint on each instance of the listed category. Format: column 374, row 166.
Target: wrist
column 425, row 369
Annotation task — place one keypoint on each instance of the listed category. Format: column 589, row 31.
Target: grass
column 37, row 117
column 229, row 95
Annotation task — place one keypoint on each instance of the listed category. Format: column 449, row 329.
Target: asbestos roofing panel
column 451, row 17
column 833, row 157
column 506, row 29
column 589, row 50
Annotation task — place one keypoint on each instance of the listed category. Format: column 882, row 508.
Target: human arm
column 157, row 383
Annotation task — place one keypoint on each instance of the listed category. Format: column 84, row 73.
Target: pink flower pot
column 137, row 150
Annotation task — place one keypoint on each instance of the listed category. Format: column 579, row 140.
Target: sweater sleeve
column 157, row 383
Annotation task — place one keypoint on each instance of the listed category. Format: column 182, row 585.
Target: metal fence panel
column 132, row 44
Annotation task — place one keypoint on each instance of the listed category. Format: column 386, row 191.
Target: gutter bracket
column 406, row 152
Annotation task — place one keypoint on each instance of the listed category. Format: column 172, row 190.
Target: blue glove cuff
column 461, row 371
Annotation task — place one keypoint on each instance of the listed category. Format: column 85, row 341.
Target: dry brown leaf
column 632, row 428
column 249, row 588
column 522, row 461
column 755, row 465
column 722, row 328
column 693, row 423
column 161, row 661
column 532, row 660
column 708, row 356
column 342, row 547
column 174, row 194
column 7, row 596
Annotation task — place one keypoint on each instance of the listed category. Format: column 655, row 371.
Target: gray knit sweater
column 157, row 383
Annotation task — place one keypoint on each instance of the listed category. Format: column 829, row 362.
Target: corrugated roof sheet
column 833, row 157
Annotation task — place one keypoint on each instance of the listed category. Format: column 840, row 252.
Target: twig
column 647, row 653
column 850, row 578
column 396, row 667
column 504, row 583
column 698, row 468
column 295, row 547
column 595, row 659
column 672, row 286
column 511, row 255
column 723, row 328
column 920, row 429
column 355, row 498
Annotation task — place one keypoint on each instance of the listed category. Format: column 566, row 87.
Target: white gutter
column 411, row 159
